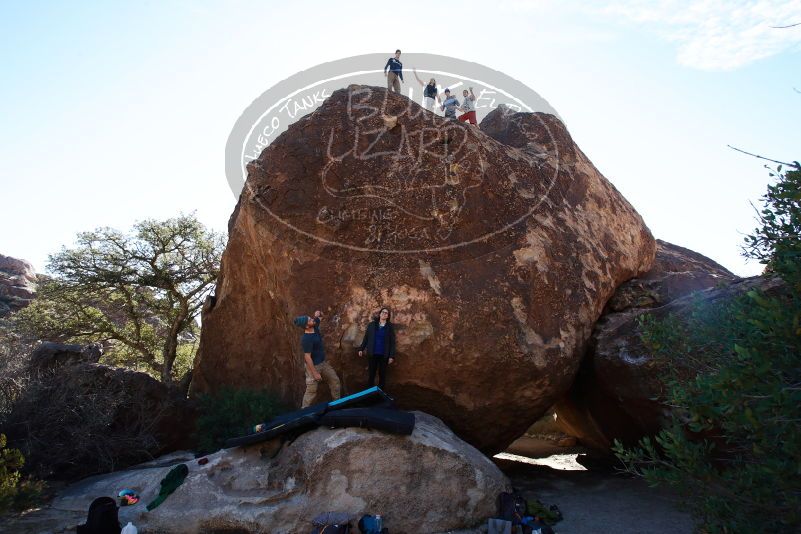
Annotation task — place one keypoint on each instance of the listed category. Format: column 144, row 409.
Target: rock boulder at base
column 495, row 248
column 428, row 482
column 618, row 388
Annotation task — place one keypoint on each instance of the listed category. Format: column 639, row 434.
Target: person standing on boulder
column 429, row 92
column 395, row 72
column 317, row 369
column 468, row 107
column 450, row 105
column 379, row 340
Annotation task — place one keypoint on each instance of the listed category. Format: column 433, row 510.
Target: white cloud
column 717, row 34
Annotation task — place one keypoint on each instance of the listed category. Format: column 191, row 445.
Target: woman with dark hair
column 379, row 342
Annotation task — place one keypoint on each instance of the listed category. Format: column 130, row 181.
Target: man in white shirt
column 468, row 107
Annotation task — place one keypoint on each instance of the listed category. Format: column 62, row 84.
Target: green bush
column 15, row 492
column 734, row 386
column 231, row 412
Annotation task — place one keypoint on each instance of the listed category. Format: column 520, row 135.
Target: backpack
column 101, row 518
column 511, row 507
column 368, row 524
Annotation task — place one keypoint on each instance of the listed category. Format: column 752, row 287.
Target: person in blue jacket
column 395, row 73
column 379, row 344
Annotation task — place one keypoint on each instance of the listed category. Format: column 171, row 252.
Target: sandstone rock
column 677, row 271
column 597, row 409
column 428, row 482
column 495, row 258
column 618, row 391
column 17, row 284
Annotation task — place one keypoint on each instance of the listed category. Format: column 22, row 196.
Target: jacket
column 369, row 339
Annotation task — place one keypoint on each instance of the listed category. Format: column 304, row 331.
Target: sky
column 116, row 112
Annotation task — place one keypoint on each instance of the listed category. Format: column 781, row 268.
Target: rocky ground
column 591, row 500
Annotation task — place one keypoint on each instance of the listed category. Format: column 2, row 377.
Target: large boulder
column 619, row 390
column 17, row 284
column 496, row 249
column 430, row 481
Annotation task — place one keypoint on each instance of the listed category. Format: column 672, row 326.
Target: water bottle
column 378, row 523
column 129, row 529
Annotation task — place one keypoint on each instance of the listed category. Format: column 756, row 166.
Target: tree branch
column 794, row 164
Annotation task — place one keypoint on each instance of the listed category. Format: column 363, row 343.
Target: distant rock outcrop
column 428, row 482
column 496, row 249
column 17, row 284
column 618, row 388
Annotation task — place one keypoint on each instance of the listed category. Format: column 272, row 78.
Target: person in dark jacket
column 393, row 71
column 379, row 344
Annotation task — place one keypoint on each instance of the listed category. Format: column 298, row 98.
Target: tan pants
column 329, row 375
column 393, row 82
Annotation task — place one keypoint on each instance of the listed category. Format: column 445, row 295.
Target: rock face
column 75, row 417
column 496, row 249
column 17, row 284
column 617, row 390
column 430, row 482
column 677, row 271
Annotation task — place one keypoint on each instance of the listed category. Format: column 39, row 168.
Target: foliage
column 231, row 412
column 75, row 420
column 734, row 445
column 139, row 294
column 15, row 492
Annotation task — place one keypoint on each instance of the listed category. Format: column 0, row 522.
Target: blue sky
column 116, row 112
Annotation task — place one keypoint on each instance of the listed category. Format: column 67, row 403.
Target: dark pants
column 379, row 363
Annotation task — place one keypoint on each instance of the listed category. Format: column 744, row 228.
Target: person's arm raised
column 418, row 77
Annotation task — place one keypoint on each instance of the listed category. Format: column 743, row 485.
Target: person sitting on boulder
column 317, row 368
column 468, row 107
column 379, row 340
column 450, row 105
column 395, row 72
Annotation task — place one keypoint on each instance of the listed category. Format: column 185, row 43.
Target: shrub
column 75, row 420
column 734, row 385
column 15, row 492
column 231, row 412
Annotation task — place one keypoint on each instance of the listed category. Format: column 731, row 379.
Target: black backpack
column 102, row 518
column 511, row 507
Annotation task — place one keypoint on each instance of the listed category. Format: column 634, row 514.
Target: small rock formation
column 617, row 389
column 496, row 249
column 74, row 417
column 428, row 482
column 50, row 354
column 17, row 284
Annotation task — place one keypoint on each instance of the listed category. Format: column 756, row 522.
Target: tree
column 138, row 293
column 734, row 388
